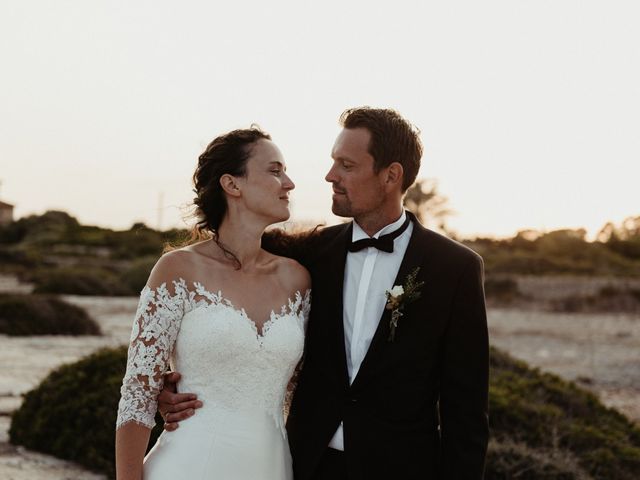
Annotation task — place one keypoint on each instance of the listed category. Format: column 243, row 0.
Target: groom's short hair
column 393, row 139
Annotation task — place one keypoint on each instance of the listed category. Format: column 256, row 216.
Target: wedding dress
column 239, row 373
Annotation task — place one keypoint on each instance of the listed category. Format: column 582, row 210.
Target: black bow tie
column 384, row 243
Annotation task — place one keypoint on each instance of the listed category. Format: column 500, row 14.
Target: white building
column 6, row 213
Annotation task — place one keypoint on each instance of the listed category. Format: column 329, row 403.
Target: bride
column 230, row 317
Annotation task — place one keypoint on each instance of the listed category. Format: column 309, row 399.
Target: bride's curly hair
column 226, row 154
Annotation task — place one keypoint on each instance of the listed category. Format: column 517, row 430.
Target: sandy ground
column 602, row 352
column 27, row 360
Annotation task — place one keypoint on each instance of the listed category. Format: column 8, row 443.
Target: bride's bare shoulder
column 174, row 265
column 293, row 275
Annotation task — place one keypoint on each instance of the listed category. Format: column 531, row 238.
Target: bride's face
column 266, row 186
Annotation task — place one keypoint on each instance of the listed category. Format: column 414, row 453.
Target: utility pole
column 160, row 210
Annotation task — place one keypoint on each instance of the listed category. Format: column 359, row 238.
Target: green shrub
column 543, row 428
column 138, row 241
column 72, row 413
column 135, row 277
column 78, row 281
column 508, row 460
column 574, row 303
column 43, row 315
column 558, row 253
column 546, row 413
column 39, row 229
column 607, row 299
column 502, row 289
column 15, row 256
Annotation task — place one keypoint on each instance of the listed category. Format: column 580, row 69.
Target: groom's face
column 357, row 188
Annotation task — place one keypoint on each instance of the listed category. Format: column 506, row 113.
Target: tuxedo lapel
column 412, row 259
column 334, row 279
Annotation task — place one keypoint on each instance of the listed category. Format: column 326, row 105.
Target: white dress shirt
column 368, row 274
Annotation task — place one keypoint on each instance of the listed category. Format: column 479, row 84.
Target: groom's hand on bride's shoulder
column 173, row 406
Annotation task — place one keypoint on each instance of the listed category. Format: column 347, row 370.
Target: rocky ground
column 601, row 352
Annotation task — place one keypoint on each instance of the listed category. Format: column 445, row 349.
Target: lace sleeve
column 305, row 307
column 154, row 332
column 302, row 306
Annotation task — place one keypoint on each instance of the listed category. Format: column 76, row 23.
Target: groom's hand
column 173, row 406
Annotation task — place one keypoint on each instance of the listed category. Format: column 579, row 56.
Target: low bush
column 11, row 256
column 78, row 281
column 22, row 315
column 509, row 460
column 72, row 413
column 560, row 252
column 607, row 299
column 543, row 428
column 502, row 290
column 556, row 419
column 135, row 277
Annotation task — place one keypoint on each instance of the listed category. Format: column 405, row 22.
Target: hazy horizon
column 528, row 110
column 331, row 220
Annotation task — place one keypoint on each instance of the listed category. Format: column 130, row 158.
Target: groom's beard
column 366, row 203
column 342, row 206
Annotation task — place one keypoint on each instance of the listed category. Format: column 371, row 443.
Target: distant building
column 6, row 213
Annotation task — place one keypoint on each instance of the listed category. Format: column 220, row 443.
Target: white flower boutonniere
column 399, row 296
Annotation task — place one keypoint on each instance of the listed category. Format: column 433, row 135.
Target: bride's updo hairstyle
column 226, row 154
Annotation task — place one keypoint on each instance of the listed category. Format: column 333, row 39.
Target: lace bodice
column 217, row 349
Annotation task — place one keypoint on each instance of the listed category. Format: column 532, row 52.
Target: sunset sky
column 529, row 110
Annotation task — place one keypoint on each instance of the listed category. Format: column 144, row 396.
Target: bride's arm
column 153, row 336
column 131, row 443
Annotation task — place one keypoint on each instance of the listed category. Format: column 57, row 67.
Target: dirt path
column 600, row 352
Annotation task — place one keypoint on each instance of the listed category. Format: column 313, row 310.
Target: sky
column 529, row 110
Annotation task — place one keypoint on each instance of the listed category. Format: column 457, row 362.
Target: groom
column 392, row 386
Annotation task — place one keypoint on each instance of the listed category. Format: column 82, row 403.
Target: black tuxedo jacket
column 417, row 408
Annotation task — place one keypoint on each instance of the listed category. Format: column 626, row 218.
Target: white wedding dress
column 240, row 374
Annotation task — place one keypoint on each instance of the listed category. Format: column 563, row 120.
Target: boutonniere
column 399, row 297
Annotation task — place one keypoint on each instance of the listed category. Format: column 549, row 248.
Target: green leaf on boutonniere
column 399, row 296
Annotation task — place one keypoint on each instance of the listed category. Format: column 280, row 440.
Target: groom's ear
column 230, row 185
column 394, row 175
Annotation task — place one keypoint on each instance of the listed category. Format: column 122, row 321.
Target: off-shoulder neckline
column 294, row 304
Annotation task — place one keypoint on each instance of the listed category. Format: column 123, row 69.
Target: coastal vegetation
column 546, row 428
column 564, row 294
column 542, row 427
column 59, row 255
column 616, row 252
column 22, row 315
column 72, row 413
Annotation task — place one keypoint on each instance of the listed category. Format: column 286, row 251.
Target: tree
column 624, row 239
column 428, row 204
